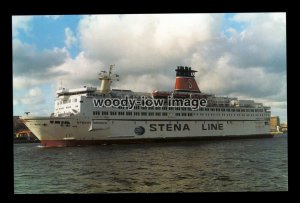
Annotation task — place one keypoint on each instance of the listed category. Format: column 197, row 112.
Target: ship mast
column 106, row 79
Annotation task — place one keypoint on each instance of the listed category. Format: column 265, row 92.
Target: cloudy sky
column 236, row 54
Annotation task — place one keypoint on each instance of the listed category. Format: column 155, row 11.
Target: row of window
column 68, row 101
column 130, row 113
column 200, row 109
column 61, row 123
column 67, row 107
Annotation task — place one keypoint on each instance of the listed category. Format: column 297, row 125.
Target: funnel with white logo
column 185, row 80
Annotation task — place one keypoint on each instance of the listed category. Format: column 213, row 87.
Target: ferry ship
column 76, row 120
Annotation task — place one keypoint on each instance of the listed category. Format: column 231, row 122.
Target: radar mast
column 106, row 79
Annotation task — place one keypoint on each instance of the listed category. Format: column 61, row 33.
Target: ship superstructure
column 77, row 120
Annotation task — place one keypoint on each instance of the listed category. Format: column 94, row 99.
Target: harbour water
column 212, row 166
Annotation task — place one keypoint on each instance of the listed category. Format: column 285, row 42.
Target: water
column 233, row 165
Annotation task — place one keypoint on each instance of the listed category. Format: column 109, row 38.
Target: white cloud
column 141, row 42
column 262, row 42
column 33, row 97
column 22, row 82
column 221, row 77
column 146, row 82
column 28, row 61
column 250, row 63
column 70, row 37
column 77, row 72
column 20, row 23
column 53, row 17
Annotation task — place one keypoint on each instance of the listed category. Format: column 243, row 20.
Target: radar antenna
column 106, row 79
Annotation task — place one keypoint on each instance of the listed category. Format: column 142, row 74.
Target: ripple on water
column 246, row 165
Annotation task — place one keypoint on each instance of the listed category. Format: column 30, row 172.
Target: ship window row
column 130, row 113
column 67, row 107
column 78, row 122
column 60, row 122
column 66, row 101
column 200, row 109
column 224, row 114
column 230, row 109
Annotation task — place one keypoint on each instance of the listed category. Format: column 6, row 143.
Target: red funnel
column 185, row 80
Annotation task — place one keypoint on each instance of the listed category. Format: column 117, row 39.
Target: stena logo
column 169, row 127
column 139, row 130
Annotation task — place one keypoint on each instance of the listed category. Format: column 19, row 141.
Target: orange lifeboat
column 160, row 94
column 181, row 95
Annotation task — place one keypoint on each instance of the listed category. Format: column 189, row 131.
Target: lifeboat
column 160, row 94
column 181, row 95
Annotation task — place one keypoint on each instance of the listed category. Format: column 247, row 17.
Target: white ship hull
column 80, row 119
column 108, row 131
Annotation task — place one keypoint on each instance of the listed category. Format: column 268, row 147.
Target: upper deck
column 80, row 100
